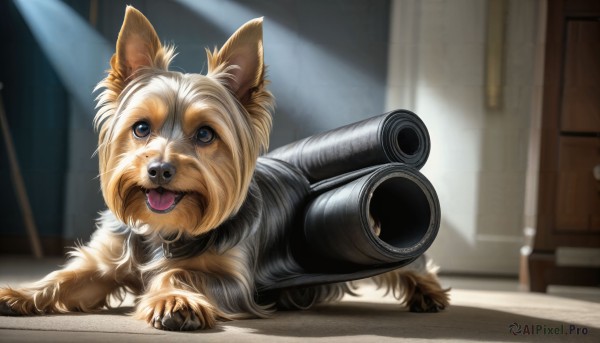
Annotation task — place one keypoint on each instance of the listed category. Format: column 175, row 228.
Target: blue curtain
column 37, row 110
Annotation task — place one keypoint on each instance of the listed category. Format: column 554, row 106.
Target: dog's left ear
column 138, row 46
column 243, row 52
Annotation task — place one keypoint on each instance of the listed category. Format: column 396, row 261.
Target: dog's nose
column 161, row 172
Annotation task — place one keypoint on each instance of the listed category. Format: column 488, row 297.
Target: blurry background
column 330, row 63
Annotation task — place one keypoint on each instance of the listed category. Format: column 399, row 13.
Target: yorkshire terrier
column 177, row 155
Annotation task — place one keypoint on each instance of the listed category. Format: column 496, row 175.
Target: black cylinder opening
column 408, row 141
column 401, row 212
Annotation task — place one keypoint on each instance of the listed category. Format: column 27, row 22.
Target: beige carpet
column 482, row 310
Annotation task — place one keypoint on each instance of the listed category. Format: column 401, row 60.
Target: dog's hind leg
column 85, row 283
column 416, row 286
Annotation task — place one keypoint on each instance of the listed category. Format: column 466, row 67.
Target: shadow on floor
column 390, row 320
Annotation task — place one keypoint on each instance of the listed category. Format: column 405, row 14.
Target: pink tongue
column 160, row 201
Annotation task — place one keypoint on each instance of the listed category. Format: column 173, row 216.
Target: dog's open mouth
column 161, row 200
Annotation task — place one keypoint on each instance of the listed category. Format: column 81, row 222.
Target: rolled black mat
column 397, row 136
column 379, row 221
column 386, row 216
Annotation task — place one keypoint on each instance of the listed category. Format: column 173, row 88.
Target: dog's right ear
column 138, row 46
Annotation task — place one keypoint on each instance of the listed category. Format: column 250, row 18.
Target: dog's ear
column 242, row 57
column 137, row 46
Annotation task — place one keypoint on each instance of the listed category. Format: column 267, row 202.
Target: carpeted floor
column 482, row 310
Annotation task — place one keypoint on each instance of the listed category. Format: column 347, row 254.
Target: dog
column 178, row 163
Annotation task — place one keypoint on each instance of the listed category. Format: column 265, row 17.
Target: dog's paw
column 176, row 313
column 429, row 302
column 13, row 303
column 181, row 320
column 7, row 310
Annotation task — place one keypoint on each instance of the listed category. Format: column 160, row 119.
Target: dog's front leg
column 175, row 300
column 85, row 283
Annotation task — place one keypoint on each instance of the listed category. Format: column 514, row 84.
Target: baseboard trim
column 479, row 275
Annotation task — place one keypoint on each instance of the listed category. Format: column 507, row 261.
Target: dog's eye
column 141, row 129
column 205, row 135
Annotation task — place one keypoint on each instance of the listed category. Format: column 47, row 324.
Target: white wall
column 478, row 159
